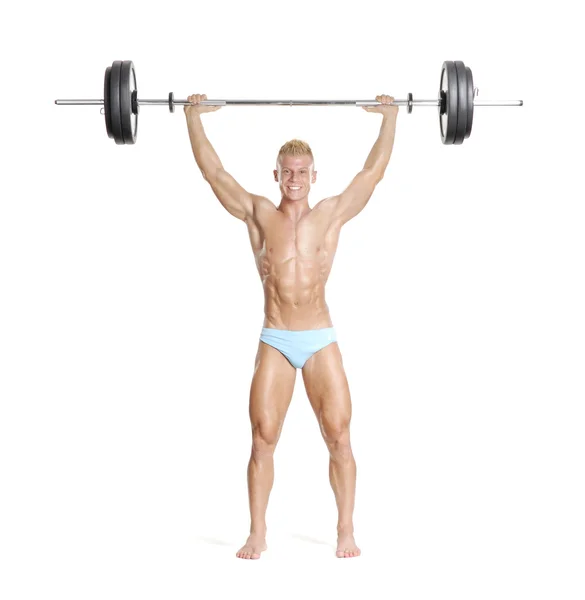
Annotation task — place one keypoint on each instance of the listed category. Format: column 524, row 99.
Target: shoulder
column 327, row 205
column 262, row 203
column 261, row 210
column 327, row 209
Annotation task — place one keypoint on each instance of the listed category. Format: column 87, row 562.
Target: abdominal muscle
column 295, row 303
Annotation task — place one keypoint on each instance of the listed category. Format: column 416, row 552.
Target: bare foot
column 255, row 544
column 346, row 546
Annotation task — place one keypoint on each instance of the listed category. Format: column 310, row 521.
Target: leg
column 328, row 392
column 270, row 395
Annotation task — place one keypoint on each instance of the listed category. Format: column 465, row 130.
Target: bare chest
column 308, row 247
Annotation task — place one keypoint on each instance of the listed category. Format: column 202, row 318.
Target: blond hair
column 295, row 148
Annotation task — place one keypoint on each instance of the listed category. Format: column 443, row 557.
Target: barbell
column 456, row 102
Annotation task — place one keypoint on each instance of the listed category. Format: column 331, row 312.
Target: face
column 295, row 172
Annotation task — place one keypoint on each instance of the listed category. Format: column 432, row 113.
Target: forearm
column 205, row 156
column 382, row 149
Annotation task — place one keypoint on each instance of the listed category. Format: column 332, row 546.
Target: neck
column 294, row 209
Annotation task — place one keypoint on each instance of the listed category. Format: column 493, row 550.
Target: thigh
column 271, row 392
column 328, row 389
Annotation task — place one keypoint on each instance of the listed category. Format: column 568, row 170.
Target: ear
column 275, row 175
column 314, row 178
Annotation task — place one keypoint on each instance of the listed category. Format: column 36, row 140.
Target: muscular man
column 294, row 247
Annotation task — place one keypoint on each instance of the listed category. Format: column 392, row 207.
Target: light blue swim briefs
column 298, row 346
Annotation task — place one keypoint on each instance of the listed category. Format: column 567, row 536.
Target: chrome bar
column 288, row 102
column 500, row 103
column 85, row 102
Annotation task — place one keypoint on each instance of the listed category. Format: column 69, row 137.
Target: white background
column 131, row 307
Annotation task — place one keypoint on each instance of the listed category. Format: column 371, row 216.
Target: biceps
column 352, row 200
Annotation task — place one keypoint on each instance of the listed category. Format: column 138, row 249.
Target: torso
column 294, row 261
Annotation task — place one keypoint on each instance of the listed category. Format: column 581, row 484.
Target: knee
column 337, row 440
column 264, row 438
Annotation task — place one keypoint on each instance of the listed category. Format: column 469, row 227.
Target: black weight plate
column 127, row 87
column 448, row 87
column 461, row 102
column 115, row 110
column 107, row 109
column 470, row 100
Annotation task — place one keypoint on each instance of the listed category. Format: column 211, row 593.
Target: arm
column 352, row 201
column 234, row 198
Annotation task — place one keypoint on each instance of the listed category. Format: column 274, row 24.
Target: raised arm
column 352, row 200
column 233, row 197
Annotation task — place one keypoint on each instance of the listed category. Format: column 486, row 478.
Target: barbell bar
column 289, row 102
column 456, row 102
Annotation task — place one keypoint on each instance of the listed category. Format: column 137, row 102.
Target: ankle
column 345, row 528
column 258, row 531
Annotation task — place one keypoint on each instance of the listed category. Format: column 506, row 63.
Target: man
column 294, row 247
